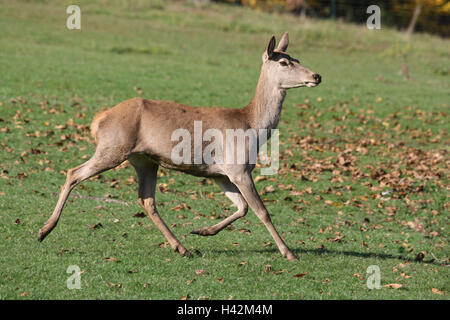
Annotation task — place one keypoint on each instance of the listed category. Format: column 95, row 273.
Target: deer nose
column 317, row 77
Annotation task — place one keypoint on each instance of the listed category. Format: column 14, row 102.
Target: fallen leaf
column 404, row 275
column 246, row 231
column 118, row 285
column 260, row 178
column 300, row 275
column 110, row 259
column 393, row 285
column 163, row 244
column 436, row 291
column 337, row 239
column 201, row 272
column 180, row 207
column 268, row 189
column 186, row 297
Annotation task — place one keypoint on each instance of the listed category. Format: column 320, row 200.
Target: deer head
column 283, row 70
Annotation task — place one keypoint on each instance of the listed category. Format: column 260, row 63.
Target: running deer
column 140, row 130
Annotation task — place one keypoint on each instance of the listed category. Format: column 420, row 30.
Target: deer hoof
column 182, row 251
column 291, row 257
column 41, row 235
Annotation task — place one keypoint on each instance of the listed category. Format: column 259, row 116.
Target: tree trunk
column 412, row 24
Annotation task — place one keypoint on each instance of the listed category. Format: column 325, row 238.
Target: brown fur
column 95, row 123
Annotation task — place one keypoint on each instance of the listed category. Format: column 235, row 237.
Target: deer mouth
column 309, row 84
column 312, row 84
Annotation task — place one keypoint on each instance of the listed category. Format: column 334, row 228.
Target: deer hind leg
column 103, row 159
column 233, row 193
column 146, row 171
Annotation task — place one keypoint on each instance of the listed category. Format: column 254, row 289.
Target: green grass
column 365, row 130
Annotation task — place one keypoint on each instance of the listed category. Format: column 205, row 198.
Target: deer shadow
column 324, row 251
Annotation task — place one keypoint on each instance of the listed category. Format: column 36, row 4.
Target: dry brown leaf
column 404, row 275
column 118, row 285
column 111, row 259
column 260, row 178
column 201, row 272
column 186, row 297
column 338, row 238
column 96, row 226
column 393, row 285
column 268, row 189
column 245, row 231
column 300, row 275
column 436, row 291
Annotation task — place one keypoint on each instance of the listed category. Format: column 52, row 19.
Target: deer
column 139, row 130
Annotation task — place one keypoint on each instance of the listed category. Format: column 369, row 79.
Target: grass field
column 364, row 156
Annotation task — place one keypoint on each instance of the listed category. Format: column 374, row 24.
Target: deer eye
column 283, row 63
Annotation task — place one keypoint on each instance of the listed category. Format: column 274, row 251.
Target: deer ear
column 284, row 42
column 270, row 47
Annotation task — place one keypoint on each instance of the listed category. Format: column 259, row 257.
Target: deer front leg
column 146, row 172
column 232, row 192
column 244, row 182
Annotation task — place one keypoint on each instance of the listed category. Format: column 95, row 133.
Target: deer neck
column 265, row 108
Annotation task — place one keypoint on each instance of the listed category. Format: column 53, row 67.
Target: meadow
column 364, row 163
